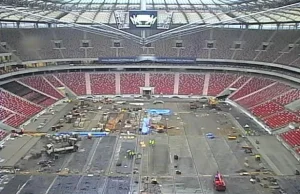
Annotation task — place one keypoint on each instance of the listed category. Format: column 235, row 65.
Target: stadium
column 149, row 96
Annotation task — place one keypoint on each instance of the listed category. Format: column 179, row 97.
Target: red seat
column 39, row 83
column 75, row 81
column 260, row 96
column 103, row 83
column 191, row 84
column 266, row 109
column 281, row 119
column 18, row 105
column 292, row 137
column 253, row 85
column 218, row 82
column 163, row 83
column 288, row 97
column 130, row 83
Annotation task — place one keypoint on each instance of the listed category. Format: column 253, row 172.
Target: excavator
column 219, row 183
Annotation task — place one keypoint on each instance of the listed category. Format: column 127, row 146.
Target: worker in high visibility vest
column 130, row 153
column 151, row 142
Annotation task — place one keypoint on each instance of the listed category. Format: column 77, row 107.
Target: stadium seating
column 15, row 120
column 253, row 85
column 264, row 95
column 3, row 134
column 288, row 97
column 292, row 137
column 218, row 82
column 18, row 105
column 47, row 102
column 103, row 83
column 130, row 83
column 39, row 44
column 191, row 84
column 39, row 83
column 53, row 81
column 224, row 43
column 4, row 114
column 75, row 81
column 280, row 119
column 241, row 81
column 163, row 83
column 266, row 109
column 251, row 41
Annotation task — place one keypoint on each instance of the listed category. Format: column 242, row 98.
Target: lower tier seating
column 292, row 137
column 281, row 119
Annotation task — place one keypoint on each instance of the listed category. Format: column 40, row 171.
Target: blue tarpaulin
column 159, row 111
column 145, row 126
column 84, row 133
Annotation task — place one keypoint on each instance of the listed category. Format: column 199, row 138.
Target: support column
column 176, row 84
column 118, row 87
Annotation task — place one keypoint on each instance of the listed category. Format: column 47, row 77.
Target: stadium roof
column 111, row 16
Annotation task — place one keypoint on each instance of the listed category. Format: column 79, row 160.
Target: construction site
column 144, row 146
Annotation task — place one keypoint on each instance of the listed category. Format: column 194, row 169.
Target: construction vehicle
column 247, row 149
column 219, row 183
column 257, row 157
column 107, row 101
column 213, row 102
column 194, row 105
column 50, row 149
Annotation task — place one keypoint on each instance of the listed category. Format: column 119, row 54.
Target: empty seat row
column 39, row 83
column 266, row 109
column 281, row 119
column 292, row 137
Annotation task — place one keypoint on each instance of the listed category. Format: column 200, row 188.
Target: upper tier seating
column 74, row 81
column 18, row 105
column 130, row 83
column 163, row 83
column 292, row 137
column 191, row 84
column 288, row 97
column 39, row 44
column 253, row 85
column 103, row 83
column 281, row 119
column 266, row 109
column 264, row 95
column 218, row 82
column 39, row 83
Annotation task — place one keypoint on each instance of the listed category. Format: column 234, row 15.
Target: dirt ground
column 102, row 166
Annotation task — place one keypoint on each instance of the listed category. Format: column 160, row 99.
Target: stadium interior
column 149, row 96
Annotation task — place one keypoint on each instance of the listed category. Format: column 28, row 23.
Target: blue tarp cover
column 159, row 111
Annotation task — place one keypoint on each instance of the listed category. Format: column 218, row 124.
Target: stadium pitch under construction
column 100, row 147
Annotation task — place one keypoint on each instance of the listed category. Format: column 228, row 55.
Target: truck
column 219, row 183
column 50, row 149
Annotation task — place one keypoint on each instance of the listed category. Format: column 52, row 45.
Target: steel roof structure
column 178, row 16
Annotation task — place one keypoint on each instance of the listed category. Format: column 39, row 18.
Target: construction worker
column 130, row 153
column 151, row 142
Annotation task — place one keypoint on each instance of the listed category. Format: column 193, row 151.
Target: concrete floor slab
column 117, row 185
column 37, row 185
column 64, row 185
column 159, row 160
